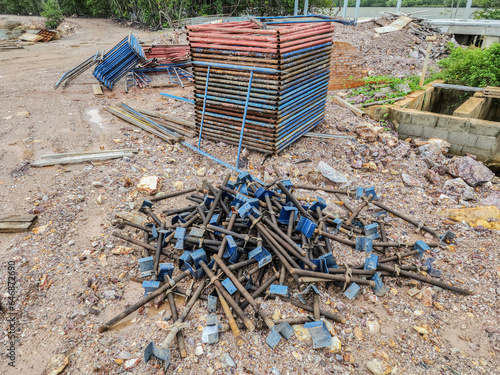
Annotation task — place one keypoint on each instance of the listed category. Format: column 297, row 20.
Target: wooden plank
column 69, row 154
column 97, row 89
column 395, row 26
column 384, row 101
column 20, row 223
column 256, row 21
column 30, row 37
column 79, row 159
column 21, row 218
column 358, row 112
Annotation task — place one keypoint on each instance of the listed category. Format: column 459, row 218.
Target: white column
column 398, row 6
column 467, row 10
column 356, row 12
column 344, row 11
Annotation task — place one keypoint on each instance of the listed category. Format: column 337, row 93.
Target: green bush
column 472, row 66
column 490, row 9
column 52, row 13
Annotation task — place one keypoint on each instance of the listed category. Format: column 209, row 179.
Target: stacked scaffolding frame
column 285, row 102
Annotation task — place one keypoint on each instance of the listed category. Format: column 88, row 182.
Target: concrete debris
column 149, row 185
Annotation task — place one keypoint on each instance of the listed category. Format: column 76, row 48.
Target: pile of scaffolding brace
column 272, row 82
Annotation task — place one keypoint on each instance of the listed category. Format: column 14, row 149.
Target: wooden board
column 358, row 112
column 80, row 159
column 97, row 89
column 395, row 26
column 17, row 223
column 30, row 37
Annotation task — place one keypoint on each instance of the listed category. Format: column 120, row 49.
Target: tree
column 52, row 13
column 490, row 9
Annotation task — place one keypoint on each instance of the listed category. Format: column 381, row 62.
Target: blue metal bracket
column 379, row 289
column 371, row 231
column 279, row 290
column 319, row 333
column 421, row 247
column 165, row 269
column 146, row 266
column 371, row 262
column 261, row 255
column 162, row 354
column 306, row 226
column 352, row 291
column 364, row 244
column 228, row 284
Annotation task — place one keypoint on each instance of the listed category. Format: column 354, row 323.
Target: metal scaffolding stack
column 260, row 88
column 117, row 62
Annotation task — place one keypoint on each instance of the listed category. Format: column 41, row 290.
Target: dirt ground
column 69, row 282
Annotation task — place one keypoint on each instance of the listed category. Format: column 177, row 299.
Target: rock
column 443, row 145
column 10, row 24
column 458, row 188
column 277, row 314
column 210, row 370
column 388, row 139
column 413, row 292
column 149, row 185
column 373, row 326
column 381, row 355
column 414, row 54
column 302, row 333
column 427, row 296
column 23, row 114
column 329, row 327
column 410, row 181
column 97, row 184
column 99, row 199
column 332, row 174
column 56, row 365
column 400, row 151
column 470, row 170
column 336, row 345
column 358, row 333
column 228, row 360
column 202, row 172
column 432, row 155
column 198, row 351
column 275, row 371
column 378, row 367
column 485, row 216
column 124, row 355
column 433, row 177
column 178, row 185
column 121, row 250
column 368, row 131
column 133, row 217
column 421, row 330
column 131, row 363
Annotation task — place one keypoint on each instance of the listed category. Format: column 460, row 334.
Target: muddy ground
column 69, row 281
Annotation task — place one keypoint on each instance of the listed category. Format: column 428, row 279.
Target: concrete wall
column 466, row 135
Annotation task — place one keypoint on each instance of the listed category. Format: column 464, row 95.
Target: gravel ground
column 69, row 282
